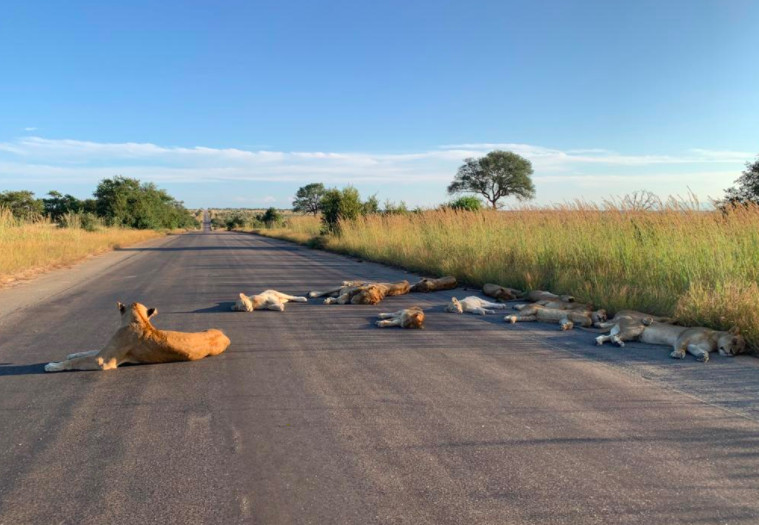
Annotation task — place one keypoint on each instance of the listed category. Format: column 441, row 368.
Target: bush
column 467, row 202
column 340, row 205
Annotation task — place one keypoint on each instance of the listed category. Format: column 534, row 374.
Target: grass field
column 32, row 248
column 701, row 266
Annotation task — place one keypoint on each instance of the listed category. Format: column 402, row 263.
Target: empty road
column 315, row 416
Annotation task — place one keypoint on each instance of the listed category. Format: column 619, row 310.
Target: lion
column 566, row 318
column 632, row 314
column 340, row 290
column 371, row 293
column 435, row 285
column 266, row 300
column 701, row 341
column 412, row 317
column 501, row 293
column 138, row 341
column 473, row 305
column 541, row 295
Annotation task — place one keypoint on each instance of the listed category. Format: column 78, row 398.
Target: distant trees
column 22, row 204
column 308, row 198
column 498, row 174
column 270, row 217
column 123, row 201
column 747, row 189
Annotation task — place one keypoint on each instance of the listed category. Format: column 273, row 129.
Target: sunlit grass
column 702, row 266
column 30, row 248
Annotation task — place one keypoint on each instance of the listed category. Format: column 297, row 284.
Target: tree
column 748, row 186
column 271, row 217
column 498, row 174
column 308, row 198
column 57, row 205
column 22, row 204
column 370, row 206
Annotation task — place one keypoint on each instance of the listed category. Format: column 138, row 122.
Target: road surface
column 316, row 416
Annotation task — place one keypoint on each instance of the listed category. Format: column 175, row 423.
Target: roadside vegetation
column 677, row 258
column 41, row 234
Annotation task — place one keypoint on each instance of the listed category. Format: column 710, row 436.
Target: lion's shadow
column 8, row 369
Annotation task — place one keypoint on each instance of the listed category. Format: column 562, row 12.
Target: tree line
column 120, row 201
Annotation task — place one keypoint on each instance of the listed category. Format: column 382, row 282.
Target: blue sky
column 238, row 103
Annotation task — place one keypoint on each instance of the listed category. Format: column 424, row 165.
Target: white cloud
column 558, row 173
column 30, row 129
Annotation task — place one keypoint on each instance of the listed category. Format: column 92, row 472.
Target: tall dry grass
column 28, row 248
column 702, row 266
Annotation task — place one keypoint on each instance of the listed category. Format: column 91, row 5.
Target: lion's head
column 243, row 304
column 731, row 343
column 454, row 306
column 135, row 313
column 415, row 318
column 369, row 294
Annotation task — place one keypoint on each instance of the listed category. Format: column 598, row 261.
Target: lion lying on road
column 473, row 305
column 501, row 293
column 371, row 293
column 632, row 314
column 566, row 318
column 435, row 285
column 697, row 341
column 340, row 290
column 407, row 318
column 138, row 341
column 267, row 300
column 541, row 295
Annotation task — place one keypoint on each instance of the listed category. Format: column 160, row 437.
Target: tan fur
column 566, row 318
column 371, row 293
column 541, row 295
column 267, row 300
column 632, row 314
column 340, row 290
column 407, row 318
column 701, row 341
column 138, row 341
column 548, row 310
column 473, row 305
column 435, row 285
column 501, row 293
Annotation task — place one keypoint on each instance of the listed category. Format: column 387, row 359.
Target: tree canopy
column 496, row 175
column 308, row 198
column 747, row 189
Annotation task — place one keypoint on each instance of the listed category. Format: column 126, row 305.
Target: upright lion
column 138, row 341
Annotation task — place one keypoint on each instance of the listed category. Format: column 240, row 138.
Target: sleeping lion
column 412, row 317
column 138, row 341
column 371, row 293
column 267, row 300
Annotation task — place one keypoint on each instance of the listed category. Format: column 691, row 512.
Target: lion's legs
column 601, row 339
column 390, row 315
column 389, row 322
column 701, row 352
column 679, row 351
column 520, row 318
column 82, row 354
column 284, row 298
column 277, row 307
column 87, row 362
column 493, row 306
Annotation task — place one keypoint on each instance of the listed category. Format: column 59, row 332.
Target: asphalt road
column 316, row 416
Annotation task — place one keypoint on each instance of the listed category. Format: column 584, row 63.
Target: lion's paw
column 54, row 367
column 677, row 354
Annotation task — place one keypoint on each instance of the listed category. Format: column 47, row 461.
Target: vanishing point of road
column 316, row 416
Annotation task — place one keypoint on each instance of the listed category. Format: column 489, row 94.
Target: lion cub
column 138, row 341
column 267, row 300
column 407, row 318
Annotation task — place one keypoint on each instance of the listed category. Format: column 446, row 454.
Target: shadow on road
column 7, row 369
column 225, row 307
column 209, row 248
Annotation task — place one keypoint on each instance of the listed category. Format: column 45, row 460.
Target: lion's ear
column 243, row 296
column 152, row 312
column 735, row 330
column 121, row 307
